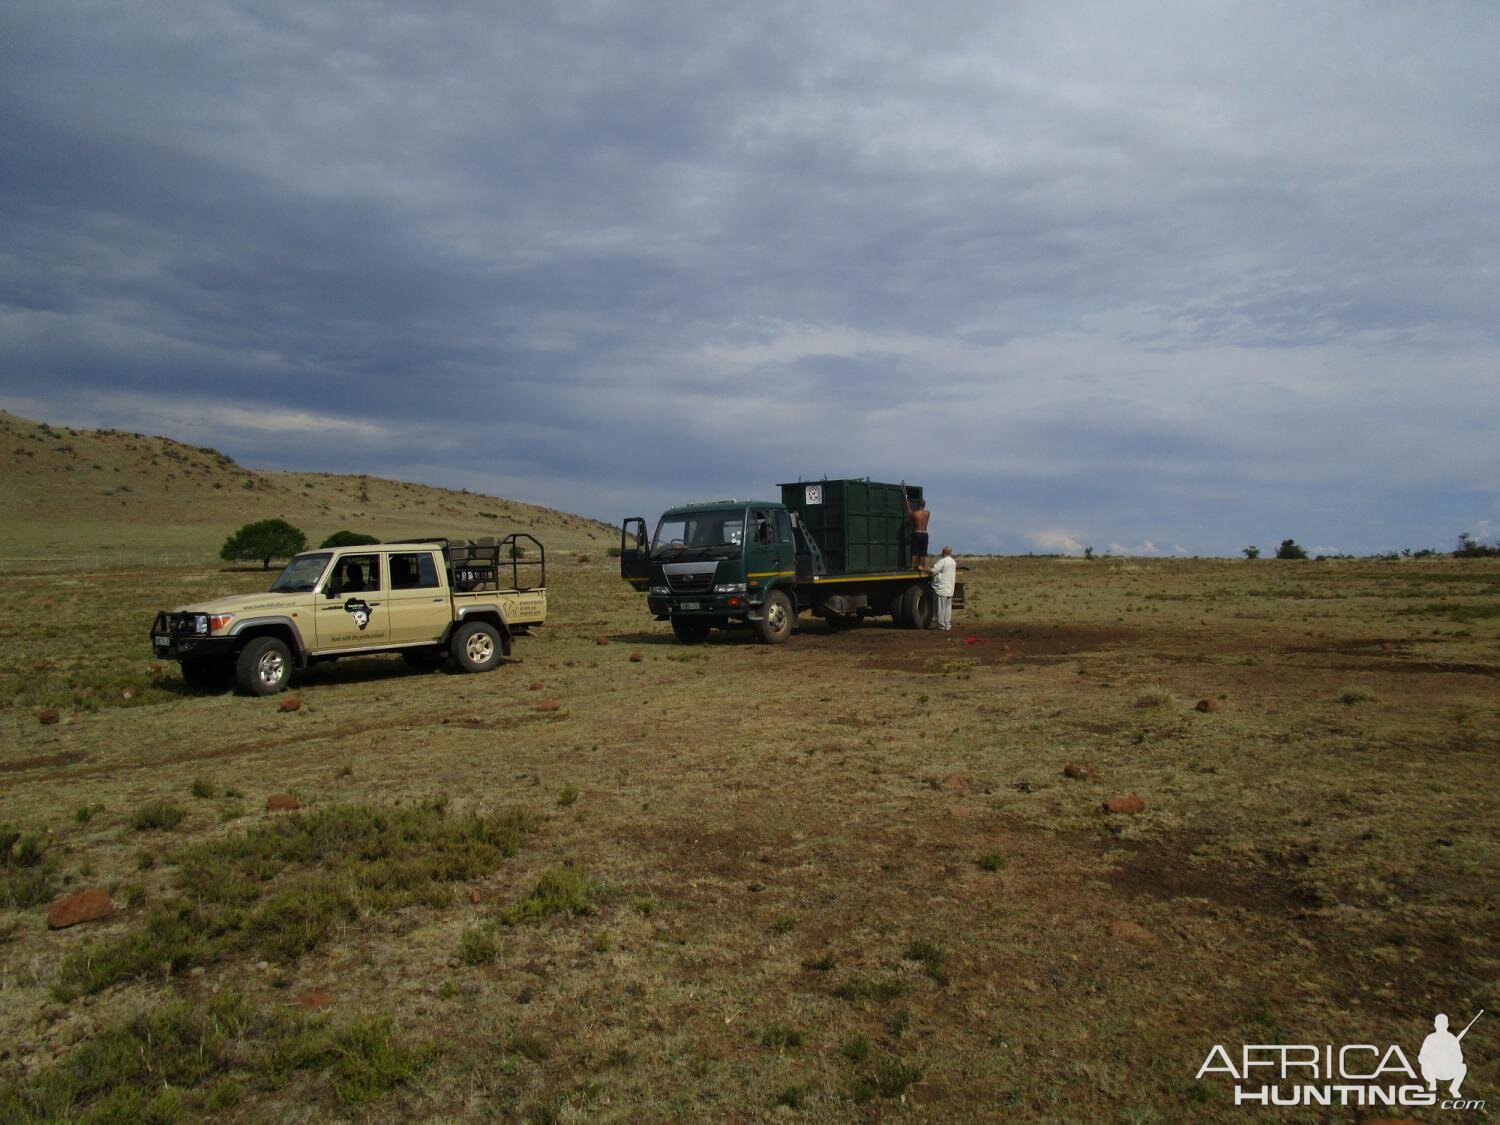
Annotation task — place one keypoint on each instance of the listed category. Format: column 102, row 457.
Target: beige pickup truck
column 430, row 600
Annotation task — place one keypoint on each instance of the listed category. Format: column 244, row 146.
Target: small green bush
column 156, row 815
column 559, row 890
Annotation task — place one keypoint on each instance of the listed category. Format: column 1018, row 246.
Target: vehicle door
column 352, row 611
column 768, row 553
column 635, row 556
column 417, row 600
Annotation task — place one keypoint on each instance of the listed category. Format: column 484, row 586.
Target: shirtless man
column 920, row 518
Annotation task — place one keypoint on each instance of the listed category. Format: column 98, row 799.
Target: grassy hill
column 111, row 495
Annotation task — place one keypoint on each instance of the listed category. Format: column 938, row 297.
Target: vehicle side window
column 359, row 573
column 783, row 527
column 413, row 572
column 762, row 521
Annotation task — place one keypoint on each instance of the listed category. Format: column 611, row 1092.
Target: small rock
column 1130, row 931
column 282, row 802
column 290, row 703
column 474, row 897
column 536, row 685
column 1081, row 771
column 1207, row 706
column 601, row 639
column 47, row 716
column 548, row 705
column 756, row 888
column 636, row 658
column 85, row 906
column 525, row 996
column 961, row 812
column 315, row 998
column 955, row 782
column 1130, row 804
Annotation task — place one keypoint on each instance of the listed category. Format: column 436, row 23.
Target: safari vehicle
column 431, row 600
column 837, row 549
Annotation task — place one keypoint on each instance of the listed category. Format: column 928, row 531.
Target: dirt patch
column 1165, row 871
column 44, row 761
column 904, row 650
column 1418, row 668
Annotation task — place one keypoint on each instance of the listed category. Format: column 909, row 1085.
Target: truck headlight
column 730, row 588
column 660, row 590
column 200, row 623
column 217, row 621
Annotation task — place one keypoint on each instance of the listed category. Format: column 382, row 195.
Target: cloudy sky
column 1148, row 277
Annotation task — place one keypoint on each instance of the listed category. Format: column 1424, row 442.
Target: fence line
column 110, row 560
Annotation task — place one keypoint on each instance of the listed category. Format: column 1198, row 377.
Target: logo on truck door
column 358, row 610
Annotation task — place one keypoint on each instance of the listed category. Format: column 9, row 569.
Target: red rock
column 956, row 782
column 282, row 802
column 601, row 639
column 315, row 998
column 548, row 705
column 1207, row 706
column 1130, row 804
column 536, row 685
column 1082, row 771
column 474, row 897
column 290, row 703
column 1129, row 931
column 85, row 906
column 636, row 658
column 961, row 812
column 47, row 716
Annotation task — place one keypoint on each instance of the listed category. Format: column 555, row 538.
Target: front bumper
column 174, row 644
column 664, row 606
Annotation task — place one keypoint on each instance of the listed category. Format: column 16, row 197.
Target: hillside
column 111, row 495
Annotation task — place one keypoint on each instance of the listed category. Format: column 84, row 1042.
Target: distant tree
column 264, row 540
column 1088, row 552
column 348, row 538
column 1471, row 548
column 1251, row 552
column 1289, row 549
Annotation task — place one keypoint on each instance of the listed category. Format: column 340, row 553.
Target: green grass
column 479, row 945
column 283, row 889
column 559, row 890
column 185, row 1058
column 27, row 876
column 157, row 815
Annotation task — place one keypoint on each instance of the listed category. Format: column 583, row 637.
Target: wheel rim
column 480, row 648
column 776, row 617
column 271, row 668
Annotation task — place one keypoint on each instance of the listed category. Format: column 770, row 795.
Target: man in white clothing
column 943, row 573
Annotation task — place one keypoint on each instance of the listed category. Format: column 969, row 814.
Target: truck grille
column 690, row 583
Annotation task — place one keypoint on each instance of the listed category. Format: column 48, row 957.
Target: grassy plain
column 843, row 878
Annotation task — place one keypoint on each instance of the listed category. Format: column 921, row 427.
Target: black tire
column 424, row 659
column 475, row 646
column 917, row 606
column 207, row 675
column 690, row 630
column 264, row 667
column 776, row 618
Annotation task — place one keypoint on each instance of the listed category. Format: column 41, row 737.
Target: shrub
column 559, row 890
column 157, row 814
column 27, row 876
column 479, row 945
column 1251, row 552
column 1290, row 549
column 348, row 538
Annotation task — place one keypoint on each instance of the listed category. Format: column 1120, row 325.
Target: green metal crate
column 861, row 525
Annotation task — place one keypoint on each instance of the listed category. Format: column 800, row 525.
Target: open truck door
column 635, row 555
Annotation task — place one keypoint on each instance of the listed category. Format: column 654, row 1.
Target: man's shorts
column 919, row 542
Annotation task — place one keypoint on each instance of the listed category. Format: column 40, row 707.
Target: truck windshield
column 301, row 574
column 689, row 533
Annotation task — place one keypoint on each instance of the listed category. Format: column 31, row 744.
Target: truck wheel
column 264, row 666
column 775, row 624
column 916, row 606
column 207, row 675
column 690, row 630
column 476, row 646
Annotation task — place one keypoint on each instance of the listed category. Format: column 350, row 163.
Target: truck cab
column 721, row 562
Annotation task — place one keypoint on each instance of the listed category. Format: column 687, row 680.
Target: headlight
column 660, row 590
column 219, row 621
column 200, row 623
column 730, row 588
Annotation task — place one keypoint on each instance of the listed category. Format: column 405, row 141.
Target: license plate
column 161, row 642
column 688, row 605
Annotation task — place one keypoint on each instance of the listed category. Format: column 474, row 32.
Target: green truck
column 836, row 549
